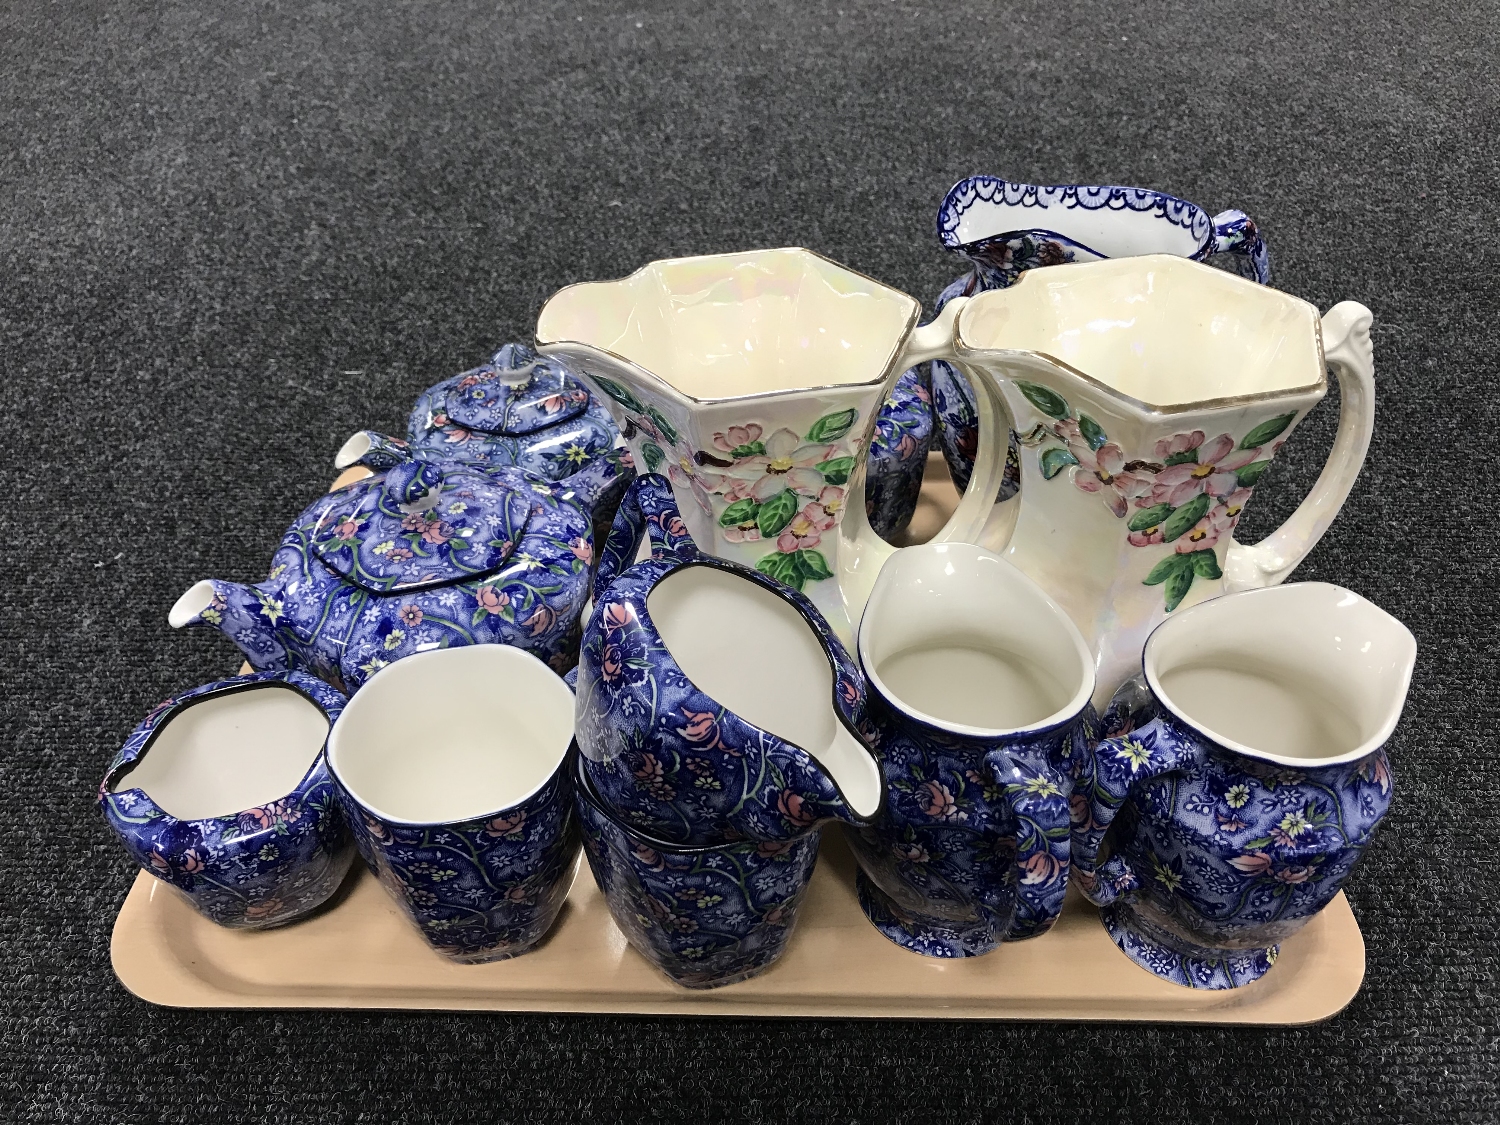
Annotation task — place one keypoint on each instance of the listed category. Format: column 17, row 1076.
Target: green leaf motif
column 812, row 565
column 783, row 568
column 1055, row 460
column 1092, row 432
column 653, row 455
column 831, row 427
column 1249, row 476
column 1166, row 568
column 1048, row 401
column 1267, row 430
column 1149, row 517
column 776, row 513
column 1177, row 585
column 741, row 511
column 666, row 427
column 619, row 394
column 1187, row 456
column 837, row 470
column 1205, row 565
column 1182, row 520
column 749, row 449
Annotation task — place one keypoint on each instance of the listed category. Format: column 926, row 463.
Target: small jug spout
column 237, row 611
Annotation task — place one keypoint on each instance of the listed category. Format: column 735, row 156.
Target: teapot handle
column 647, row 508
column 1347, row 348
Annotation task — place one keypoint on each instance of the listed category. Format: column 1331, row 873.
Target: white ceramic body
column 1150, row 393
column 753, row 382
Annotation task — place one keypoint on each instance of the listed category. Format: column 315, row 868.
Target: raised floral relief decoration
column 1190, row 494
column 761, row 484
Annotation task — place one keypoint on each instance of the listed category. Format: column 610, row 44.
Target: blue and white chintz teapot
column 427, row 553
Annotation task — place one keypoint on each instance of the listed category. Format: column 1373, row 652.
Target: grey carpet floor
column 232, row 234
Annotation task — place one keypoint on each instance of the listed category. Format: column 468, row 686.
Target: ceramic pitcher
column 1005, row 228
column 1151, row 394
column 753, row 381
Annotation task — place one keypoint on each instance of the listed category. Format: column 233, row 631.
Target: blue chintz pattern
column 898, row 453
column 996, row 260
column 254, row 869
column 973, row 846
column 705, row 916
column 518, row 410
column 426, row 553
column 663, row 756
column 1205, row 858
column 478, row 890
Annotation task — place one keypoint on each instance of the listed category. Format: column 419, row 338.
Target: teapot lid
column 515, row 394
column 419, row 525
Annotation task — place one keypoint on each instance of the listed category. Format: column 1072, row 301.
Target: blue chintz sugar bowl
column 706, row 915
column 714, row 703
column 1244, row 775
column 223, row 792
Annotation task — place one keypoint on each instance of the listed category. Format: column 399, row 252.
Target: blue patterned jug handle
column 1117, row 766
column 1036, row 793
column 648, row 508
column 1236, row 233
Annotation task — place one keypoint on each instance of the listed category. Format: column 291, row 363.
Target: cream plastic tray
column 360, row 952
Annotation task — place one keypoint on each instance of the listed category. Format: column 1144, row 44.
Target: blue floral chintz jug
column 714, row 703
column 979, row 704
column 1244, row 775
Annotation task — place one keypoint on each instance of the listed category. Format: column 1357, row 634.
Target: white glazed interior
column 194, row 600
column 352, row 450
column 452, row 734
column 1115, row 233
column 228, row 753
column 958, row 638
column 757, row 656
column 1307, row 674
column 730, row 325
column 1162, row 330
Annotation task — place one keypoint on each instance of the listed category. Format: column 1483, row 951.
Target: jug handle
column 1236, row 233
column 1036, row 792
column 648, row 507
column 865, row 552
column 1116, row 766
column 1347, row 348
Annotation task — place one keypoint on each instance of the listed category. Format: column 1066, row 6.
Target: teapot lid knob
column 411, row 481
column 514, row 364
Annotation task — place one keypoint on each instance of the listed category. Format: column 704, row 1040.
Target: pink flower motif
column 912, row 852
column 805, row 530
column 747, row 532
column 848, row 692
column 582, row 549
column 1179, row 443
column 414, row 522
column 1234, row 503
column 1296, row 873
column 922, row 393
column 457, row 435
column 398, row 554
column 192, row 862
column 410, row 615
column 552, row 404
column 769, row 849
column 256, row 820
column 263, row 909
column 1203, row 535
column 906, row 447
column 832, row 499
column 617, row 616
column 518, row 894
column 540, row 621
column 701, row 728
column 935, row 799
column 1041, row 867
column 649, row 856
column 468, row 381
column 439, row 418
column 1256, row 863
column 736, row 436
column 506, row 825
column 785, row 464
column 347, row 529
column 437, row 533
column 795, row 808
column 159, row 861
column 1213, row 472
column 1103, row 471
column 492, row 599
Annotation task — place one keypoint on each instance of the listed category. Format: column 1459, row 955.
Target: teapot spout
column 237, row 611
column 374, row 451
